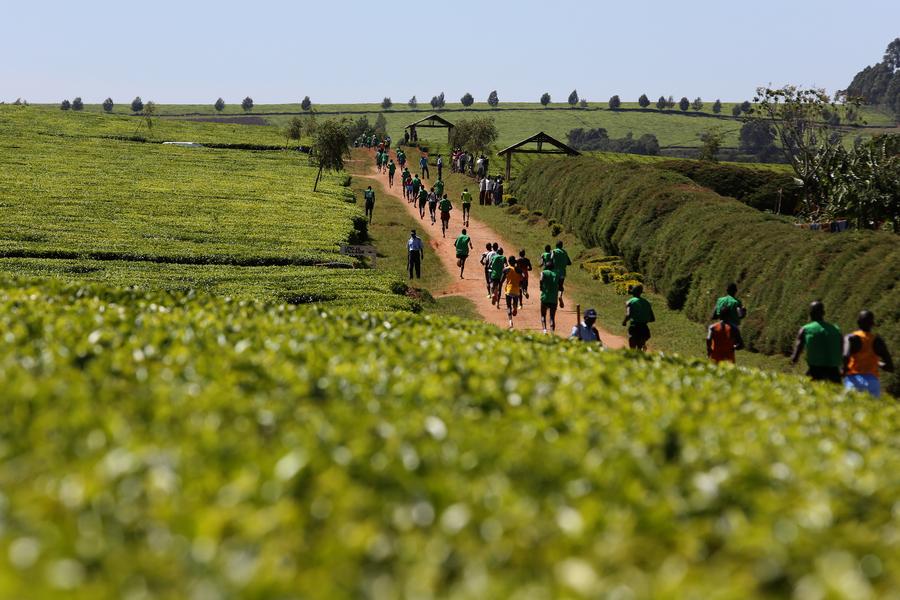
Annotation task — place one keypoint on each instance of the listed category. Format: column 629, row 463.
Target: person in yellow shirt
column 865, row 353
column 466, row 206
column 511, row 282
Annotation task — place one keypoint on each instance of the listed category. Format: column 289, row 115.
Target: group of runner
column 854, row 360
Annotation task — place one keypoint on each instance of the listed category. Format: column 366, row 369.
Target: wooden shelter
column 540, row 139
column 432, row 120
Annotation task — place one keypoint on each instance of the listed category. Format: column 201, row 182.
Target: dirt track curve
column 473, row 286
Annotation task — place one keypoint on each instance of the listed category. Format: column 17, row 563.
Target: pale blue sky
column 351, row 51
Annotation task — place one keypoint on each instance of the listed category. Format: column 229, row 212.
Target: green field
column 155, row 445
column 77, row 205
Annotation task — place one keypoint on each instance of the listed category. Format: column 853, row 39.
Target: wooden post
column 508, row 165
column 578, row 320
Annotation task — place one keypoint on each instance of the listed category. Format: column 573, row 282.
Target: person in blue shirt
column 423, row 163
column 415, row 251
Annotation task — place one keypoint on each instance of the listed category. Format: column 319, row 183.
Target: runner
column 416, row 185
column 463, row 244
column 439, row 188
column 440, row 166
column 369, row 195
column 722, row 339
column 639, row 311
column 549, row 296
column 512, row 278
column 525, row 266
column 546, row 257
column 823, row 344
column 423, row 166
column 423, row 200
column 445, row 207
column 729, row 308
column 378, row 161
column 585, row 331
column 415, row 253
column 392, row 168
column 498, row 263
column 432, row 205
column 486, row 257
column 482, row 190
column 407, row 185
column 561, row 260
column 401, row 159
column 466, row 206
column 864, row 354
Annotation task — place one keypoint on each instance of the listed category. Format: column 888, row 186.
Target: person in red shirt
column 722, row 339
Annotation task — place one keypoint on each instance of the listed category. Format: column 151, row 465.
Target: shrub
column 583, row 103
column 556, row 229
column 65, row 105
column 736, row 110
column 717, row 106
column 690, row 242
column 697, row 104
column 77, row 103
column 386, row 104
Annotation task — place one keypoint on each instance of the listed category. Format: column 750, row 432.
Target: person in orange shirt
column 722, row 339
column 864, row 354
column 512, row 282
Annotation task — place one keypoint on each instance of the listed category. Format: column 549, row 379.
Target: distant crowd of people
column 854, row 360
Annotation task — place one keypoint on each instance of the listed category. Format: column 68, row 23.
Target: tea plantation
column 159, row 445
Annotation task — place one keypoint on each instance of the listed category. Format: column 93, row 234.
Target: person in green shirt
column 439, row 188
column 729, row 308
column 561, row 260
column 416, row 183
column 463, row 244
column 546, row 257
column 466, row 206
column 824, row 346
column 378, row 160
column 392, row 168
column 549, row 295
column 423, row 200
column 498, row 263
column 369, row 195
column 445, row 207
column 639, row 311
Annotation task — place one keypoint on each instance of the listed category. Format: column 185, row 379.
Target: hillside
column 158, row 444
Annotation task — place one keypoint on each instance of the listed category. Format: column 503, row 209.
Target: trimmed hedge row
column 690, row 242
column 758, row 188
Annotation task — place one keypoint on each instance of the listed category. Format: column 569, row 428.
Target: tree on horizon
column 573, row 98
column 493, row 99
column 108, row 105
column 615, row 102
column 219, row 105
column 644, row 101
column 467, row 100
column 306, row 103
column 545, row 99
column 247, row 104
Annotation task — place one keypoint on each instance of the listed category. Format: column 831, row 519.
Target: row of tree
column 137, row 105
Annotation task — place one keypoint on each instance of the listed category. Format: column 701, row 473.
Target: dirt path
column 473, row 286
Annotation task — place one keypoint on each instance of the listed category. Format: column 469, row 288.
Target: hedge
column 690, row 242
column 758, row 188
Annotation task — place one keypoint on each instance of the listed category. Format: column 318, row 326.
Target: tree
column 684, row 104
column 306, row 104
column 892, row 55
column 441, row 101
column 545, row 99
column 867, row 185
column 746, row 107
column 380, row 126
column 65, row 105
column 493, row 99
column 474, row 135
column 670, row 103
column 219, row 105
column 137, row 105
column 77, row 103
column 386, row 104
column 661, row 103
column 294, row 129
column 736, row 110
column 413, row 103
column 712, row 141
column 758, row 138
column 467, row 100
column 247, row 104
column 644, row 101
column 697, row 104
column 615, row 103
column 812, row 146
column 329, row 147
column 583, row 103
column 573, row 98
column 717, row 106
column 108, row 105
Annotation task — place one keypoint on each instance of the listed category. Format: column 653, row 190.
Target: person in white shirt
column 416, row 251
column 585, row 331
column 482, row 190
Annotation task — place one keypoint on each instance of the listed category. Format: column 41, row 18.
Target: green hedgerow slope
column 691, row 242
column 158, row 445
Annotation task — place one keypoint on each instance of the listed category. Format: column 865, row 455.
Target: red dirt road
column 473, row 286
